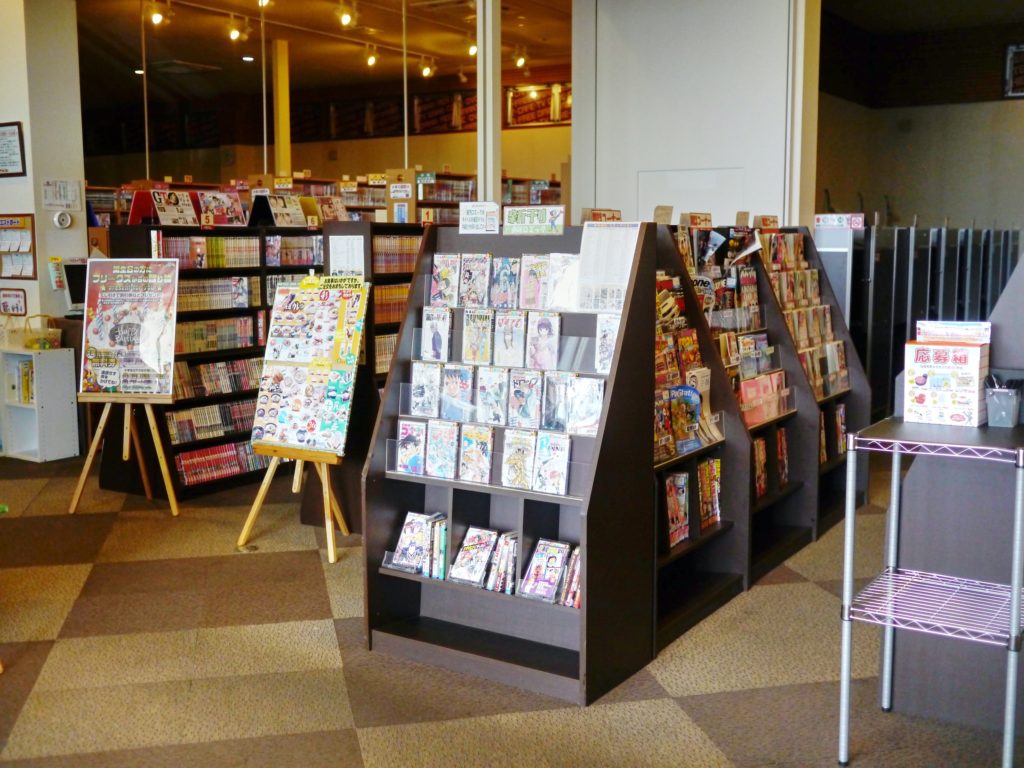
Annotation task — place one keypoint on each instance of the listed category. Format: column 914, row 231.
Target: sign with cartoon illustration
column 128, row 336
column 309, row 372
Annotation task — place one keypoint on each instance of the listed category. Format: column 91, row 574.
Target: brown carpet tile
column 131, row 638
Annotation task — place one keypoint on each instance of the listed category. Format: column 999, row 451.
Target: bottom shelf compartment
column 534, row 666
column 772, row 544
column 936, row 604
column 686, row 597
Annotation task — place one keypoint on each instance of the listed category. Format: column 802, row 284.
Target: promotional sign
column 128, row 335
column 534, row 219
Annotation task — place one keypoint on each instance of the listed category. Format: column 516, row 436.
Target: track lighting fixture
column 371, row 55
column 427, row 66
column 347, row 14
column 238, row 31
column 472, row 46
column 262, row 3
column 462, row 76
column 159, row 13
column 520, row 57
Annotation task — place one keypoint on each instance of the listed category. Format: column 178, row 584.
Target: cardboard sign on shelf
column 174, row 208
column 224, row 207
column 277, row 210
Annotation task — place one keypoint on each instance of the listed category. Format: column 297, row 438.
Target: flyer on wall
column 309, row 372
column 128, row 334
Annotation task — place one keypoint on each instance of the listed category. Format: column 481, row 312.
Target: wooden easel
column 320, row 460
column 130, row 438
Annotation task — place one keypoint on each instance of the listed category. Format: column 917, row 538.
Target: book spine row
column 389, row 302
column 276, row 281
column 212, row 252
column 213, row 335
column 209, row 421
column 384, row 346
column 218, row 293
column 449, row 190
column 439, row 215
column 205, row 465
column 24, row 383
column 303, row 250
column 395, row 253
column 217, row 378
column 571, row 591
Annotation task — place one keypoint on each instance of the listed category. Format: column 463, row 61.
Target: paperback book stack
column 798, row 289
column 422, row 546
column 683, row 422
column 494, row 375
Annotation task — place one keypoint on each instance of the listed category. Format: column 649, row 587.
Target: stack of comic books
column 473, row 557
column 544, row 575
column 421, row 546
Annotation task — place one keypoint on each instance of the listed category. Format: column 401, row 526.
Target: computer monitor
column 74, row 286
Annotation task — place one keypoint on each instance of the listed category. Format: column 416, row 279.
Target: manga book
column 509, row 338
column 563, row 281
column 474, row 279
column 425, row 396
column 604, row 342
column 533, row 281
column 524, row 398
column 477, row 332
column 412, row 447
column 557, row 399
column 436, row 329
column 442, row 448
column 586, row 399
column 457, row 392
column 413, row 545
column 475, row 453
column 551, row 463
column 517, row 460
column 542, row 332
column 677, row 507
column 491, row 395
column 544, row 574
column 444, row 280
column 470, row 566
column 504, row 282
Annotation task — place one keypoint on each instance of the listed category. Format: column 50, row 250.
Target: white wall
column 959, row 160
column 687, row 103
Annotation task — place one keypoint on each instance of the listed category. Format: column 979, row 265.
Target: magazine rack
column 573, row 654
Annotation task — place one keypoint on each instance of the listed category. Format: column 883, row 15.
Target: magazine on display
column 474, row 279
column 509, row 338
column 442, row 448
column 225, row 207
column 563, row 281
column 444, row 280
column 504, row 282
column 174, row 208
column 604, row 344
column 457, row 393
column 477, row 333
column 412, row 551
column 551, row 463
column 533, row 281
column 425, row 395
column 545, row 571
column 492, row 395
column 542, row 334
column 434, row 334
column 517, row 459
column 475, row 453
column 525, row 390
column 557, row 400
column 412, row 447
column 470, row 565
column 677, row 504
column 586, row 399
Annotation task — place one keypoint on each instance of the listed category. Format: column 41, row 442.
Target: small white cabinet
column 38, row 408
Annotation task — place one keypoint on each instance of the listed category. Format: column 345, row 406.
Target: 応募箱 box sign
column 944, row 383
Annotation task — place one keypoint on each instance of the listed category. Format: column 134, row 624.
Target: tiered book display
column 517, row 441
column 225, row 277
column 701, row 460
column 827, row 356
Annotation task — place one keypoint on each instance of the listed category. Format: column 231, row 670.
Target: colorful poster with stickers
column 128, row 333
column 309, row 372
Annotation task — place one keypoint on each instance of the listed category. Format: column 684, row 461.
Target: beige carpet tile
column 15, row 469
column 321, row 749
column 65, row 722
column 22, row 663
column 202, row 531
column 35, row 601
column 352, row 540
column 18, row 494
column 781, row 575
column 640, row 687
column 776, row 635
column 736, row 721
column 345, row 582
column 824, row 560
column 121, row 614
column 646, row 733
column 835, row 586
column 59, row 539
column 386, row 690
column 55, row 496
column 199, row 653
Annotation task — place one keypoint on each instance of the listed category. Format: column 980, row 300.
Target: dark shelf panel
column 229, row 437
column 684, row 606
column 771, row 499
column 828, row 516
column 455, row 586
column 768, row 422
column 212, row 486
column 390, row 327
column 775, row 545
column 483, row 488
column 548, row 659
column 212, row 314
column 219, row 354
column 684, row 548
column 679, row 460
column 763, row 329
column 834, row 396
column 287, row 269
column 391, row 278
column 834, row 463
column 220, row 397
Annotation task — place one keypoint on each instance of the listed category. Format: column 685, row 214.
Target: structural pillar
column 488, row 100
column 39, row 88
column 282, row 108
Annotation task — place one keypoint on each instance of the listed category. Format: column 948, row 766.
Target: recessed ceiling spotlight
column 347, row 13
column 472, row 46
column 427, row 66
column 520, row 56
column 140, row 72
column 248, row 59
column 159, row 13
column 371, row 55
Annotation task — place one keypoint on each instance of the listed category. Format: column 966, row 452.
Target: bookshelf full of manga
column 507, row 523
column 384, row 255
column 701, row 459
column 827, row 356
column 227, row 275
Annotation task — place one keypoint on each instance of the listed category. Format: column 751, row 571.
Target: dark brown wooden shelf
column 774, row 420
column 834, row 396
column 834, row 463
column 211, row 399
column 227, row 437
column 676, row 461
column 187, row 273
column 499, row 490
column 212, row 314
column 457, row 587
column 771, row 499
column 774, row 545
column 689, row 600
column 216, row 355
column 691, row 545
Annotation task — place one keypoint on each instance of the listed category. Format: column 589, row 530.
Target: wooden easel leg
column 297, row 477
column 257, row 505
column 335, row 507
column 126, row 445
column 161, row 460
column 90, row 457
column 146, row 487
column 1, row 667
column 332, row 549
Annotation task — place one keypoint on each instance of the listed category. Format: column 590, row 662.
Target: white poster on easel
column 347, row 255
column 606, row 259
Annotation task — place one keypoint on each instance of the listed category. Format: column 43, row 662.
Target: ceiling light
column 262, row 3
column 427, row 66
column 236, row 31
column 472, row 47
column 347, row 14
column 248, row 59
column 462, row 76
column 533, row 93
column 159, row 13
column 371, row 55
column 139, row 71
column 233, row 30
column 521, row 59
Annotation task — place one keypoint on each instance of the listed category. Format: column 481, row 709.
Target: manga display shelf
column 226, row 278
column 576, row 654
